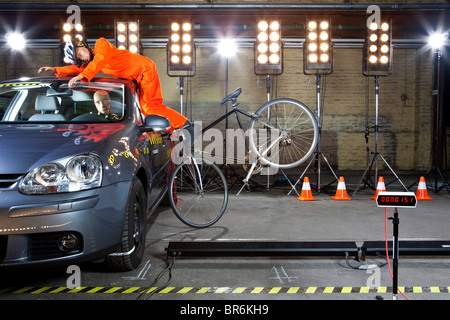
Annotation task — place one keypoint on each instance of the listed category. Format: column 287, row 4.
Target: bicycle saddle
column 234, row 95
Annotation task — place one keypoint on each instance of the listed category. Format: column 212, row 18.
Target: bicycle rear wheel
column 288, row 127
column 198, row 193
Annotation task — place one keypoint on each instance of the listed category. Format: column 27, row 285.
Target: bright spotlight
column 67, row 27
column 16, row 41
column 227, row 47
column 437, row 40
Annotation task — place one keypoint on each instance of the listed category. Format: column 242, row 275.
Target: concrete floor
column 270, row 215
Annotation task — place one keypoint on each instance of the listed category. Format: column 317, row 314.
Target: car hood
column 26, row 146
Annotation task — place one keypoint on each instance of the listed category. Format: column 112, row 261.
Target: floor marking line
column 225, row 290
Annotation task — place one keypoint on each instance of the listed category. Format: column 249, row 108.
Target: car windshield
column 54, row 102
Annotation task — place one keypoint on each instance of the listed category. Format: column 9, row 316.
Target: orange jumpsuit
column 124, row 64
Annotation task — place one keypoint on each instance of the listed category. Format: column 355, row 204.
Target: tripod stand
column 318, row 153
column 376, row 153
column 436, row 169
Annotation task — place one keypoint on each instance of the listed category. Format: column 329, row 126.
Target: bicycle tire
column 299, row 129
column 195, row 207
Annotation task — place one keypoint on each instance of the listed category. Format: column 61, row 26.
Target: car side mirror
column 154, row 123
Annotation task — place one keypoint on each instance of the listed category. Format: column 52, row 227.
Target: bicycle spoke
column 200, row 207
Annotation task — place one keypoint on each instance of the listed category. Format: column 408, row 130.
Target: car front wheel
column 131, row 249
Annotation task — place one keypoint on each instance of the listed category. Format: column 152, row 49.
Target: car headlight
column 69, row 174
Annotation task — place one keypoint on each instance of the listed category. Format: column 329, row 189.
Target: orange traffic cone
column 306, row 194
column 380, row 187
column 341, row 192
column 422, row 193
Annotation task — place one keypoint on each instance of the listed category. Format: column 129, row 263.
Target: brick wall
column 349, row 101
column 405, row 114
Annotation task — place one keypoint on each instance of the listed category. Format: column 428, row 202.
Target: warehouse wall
column 404, row 107
column 405, row 114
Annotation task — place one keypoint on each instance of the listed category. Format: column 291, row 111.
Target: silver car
column 77, row 182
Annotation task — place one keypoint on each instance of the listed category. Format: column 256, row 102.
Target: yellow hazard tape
column 20, row 84
column 224, row 290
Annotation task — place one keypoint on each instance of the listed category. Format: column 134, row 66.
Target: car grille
column 3, row 245
column 45, row 246
column 8, row 181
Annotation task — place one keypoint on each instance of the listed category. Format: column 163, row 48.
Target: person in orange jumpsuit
column 108, row 59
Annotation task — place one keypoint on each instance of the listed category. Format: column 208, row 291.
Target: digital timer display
column 396, row 199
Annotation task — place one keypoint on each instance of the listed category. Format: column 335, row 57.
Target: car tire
column 132, row 245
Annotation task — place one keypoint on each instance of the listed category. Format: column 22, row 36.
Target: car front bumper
column 34, row 229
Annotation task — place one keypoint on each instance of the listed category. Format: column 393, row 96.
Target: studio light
column 377, row 54
column 437, row 40
column 227, row 47
column 268, row 48
column 127, row 36
column 377, row 62
column 72, row 32
column 318, row 49
column 181, row 47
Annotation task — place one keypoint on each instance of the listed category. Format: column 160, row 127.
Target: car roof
column 128, row 83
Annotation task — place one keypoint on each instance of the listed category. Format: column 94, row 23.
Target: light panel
column 268, row 48
column 377, row 53
column 70, row 32
column 181, row 47
column 318, row 49
column 127, row 36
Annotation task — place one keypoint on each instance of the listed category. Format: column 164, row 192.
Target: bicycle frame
column 236, row 112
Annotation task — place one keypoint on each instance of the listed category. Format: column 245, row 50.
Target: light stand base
column 369, row 167
column 317, row 155
column 437, row 172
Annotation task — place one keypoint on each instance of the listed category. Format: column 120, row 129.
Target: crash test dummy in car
column 106, row 58
column 102, row 102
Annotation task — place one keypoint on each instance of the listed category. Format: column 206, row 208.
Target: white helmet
column 69, row 52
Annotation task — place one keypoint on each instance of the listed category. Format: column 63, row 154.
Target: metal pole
column 226, row 119
column 318, row 154
column 268, row 119
column 181, row 94
column 395, row 222
column 436, row 136
column 376, row 127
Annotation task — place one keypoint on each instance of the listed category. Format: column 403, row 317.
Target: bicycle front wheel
column 283, row 133
column 198, row 193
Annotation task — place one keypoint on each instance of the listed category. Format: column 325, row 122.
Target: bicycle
column 198, row 191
